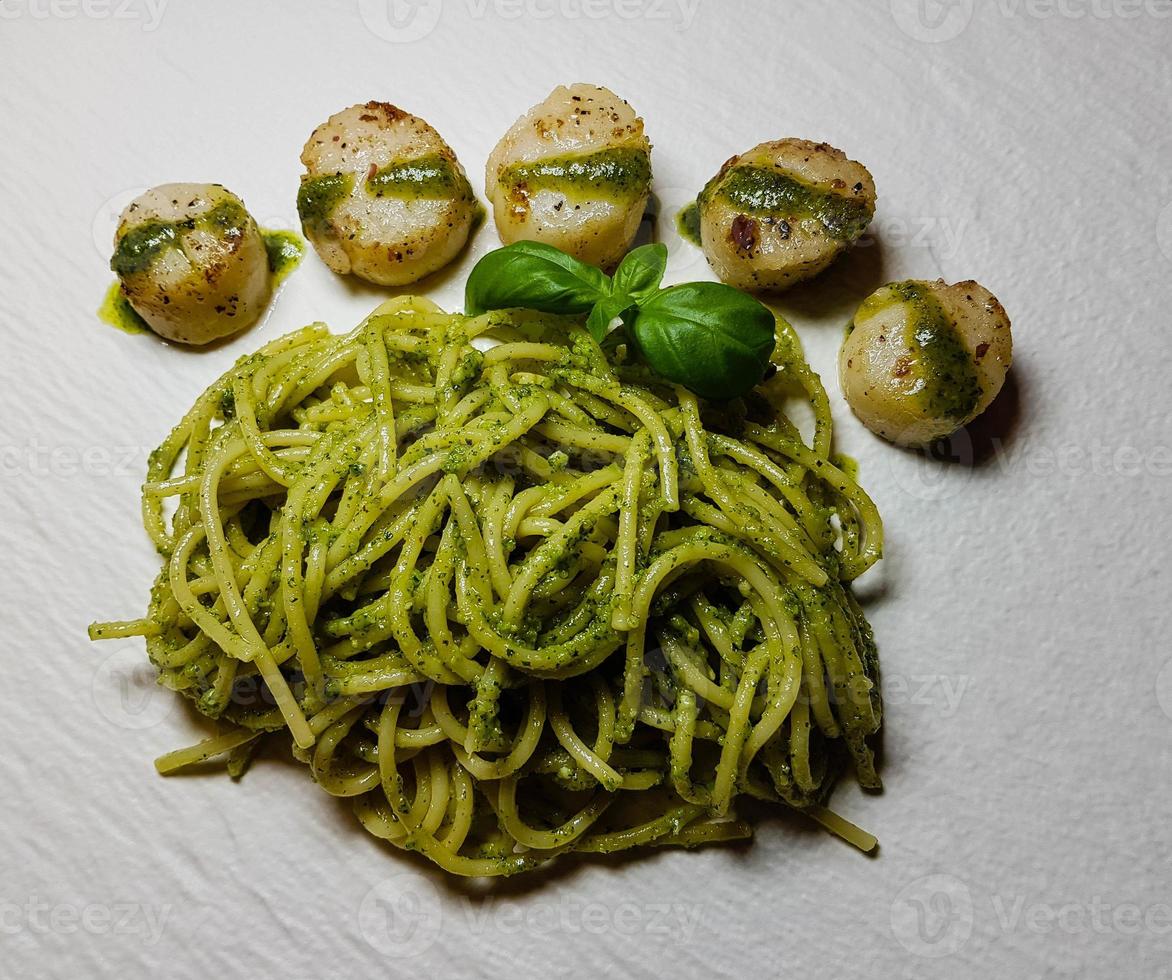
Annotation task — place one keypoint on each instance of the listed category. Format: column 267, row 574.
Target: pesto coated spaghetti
column 518, row 597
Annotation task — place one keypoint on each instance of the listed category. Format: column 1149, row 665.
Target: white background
column 1022, row 611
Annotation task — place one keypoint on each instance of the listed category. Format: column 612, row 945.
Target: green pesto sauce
column 142, row 244
column 765, row 190
column 285, row 250
column 318, row 196
column 430, row 177
column 848, row 464
column 621, row 175
column 227, row 218
column 950, row 387
column 117, row 312
column 478, row 216
column 688, row 223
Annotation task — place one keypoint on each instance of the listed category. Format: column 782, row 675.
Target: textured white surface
column 1022, row 612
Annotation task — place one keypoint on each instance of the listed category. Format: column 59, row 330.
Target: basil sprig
column 709, row 337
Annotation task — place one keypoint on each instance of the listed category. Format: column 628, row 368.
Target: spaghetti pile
column 516, row 597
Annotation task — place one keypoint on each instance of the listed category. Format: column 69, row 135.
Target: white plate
column 1022, row 612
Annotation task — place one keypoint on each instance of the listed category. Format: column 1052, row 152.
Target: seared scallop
column 573, row 172
column 383, row 196
column 782, row 212
column 922, row 359
column 192, row 262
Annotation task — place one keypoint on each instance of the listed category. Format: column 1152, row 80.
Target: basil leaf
column 641, row 271
column 707, row 336
column 604, row 312
column 534, row 276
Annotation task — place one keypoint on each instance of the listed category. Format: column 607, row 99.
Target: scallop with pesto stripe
column 383, row 196
column 191, row 262
column 574, row 172
column 782, row 212
column 922, row 359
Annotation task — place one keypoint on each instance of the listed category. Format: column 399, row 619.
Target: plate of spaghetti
column 510, row 591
